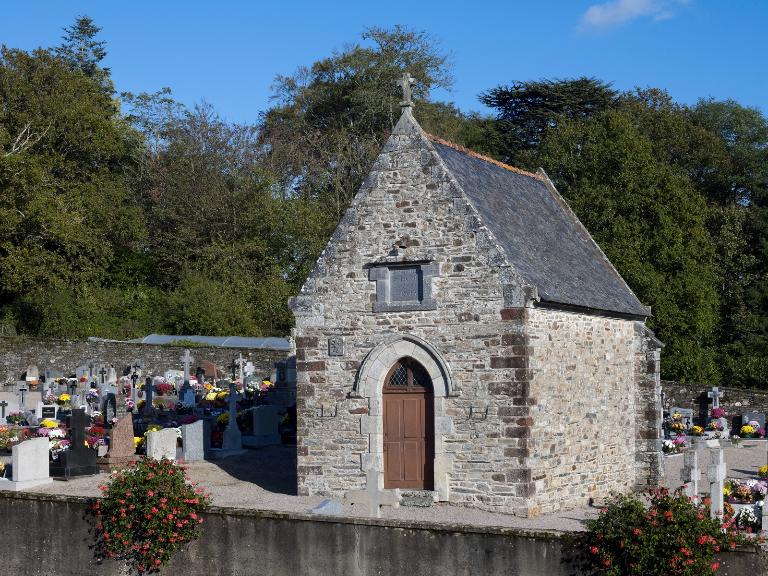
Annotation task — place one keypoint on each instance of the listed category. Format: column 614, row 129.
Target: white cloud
column 601, row 17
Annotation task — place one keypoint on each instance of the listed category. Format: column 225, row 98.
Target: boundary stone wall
column 65, row 355
column 260, row 543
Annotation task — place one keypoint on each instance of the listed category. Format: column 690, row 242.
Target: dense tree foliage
column 125, row 215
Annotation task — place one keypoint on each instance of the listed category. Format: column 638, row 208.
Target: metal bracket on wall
column 325, row 412
column 477, row 413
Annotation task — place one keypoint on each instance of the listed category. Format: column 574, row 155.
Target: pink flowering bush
column 148, row 511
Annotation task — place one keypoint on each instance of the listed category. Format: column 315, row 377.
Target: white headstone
column 162, row 444
column 30, row 465
column 192, row 441
column 186, row 361
column 33, row 375
column 112, row 375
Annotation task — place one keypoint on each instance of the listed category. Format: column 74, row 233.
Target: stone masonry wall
column 65, row 355
column 583, row 391
column 649, row 467
column 411, row 207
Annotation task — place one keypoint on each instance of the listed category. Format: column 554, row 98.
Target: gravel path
column 264, row 479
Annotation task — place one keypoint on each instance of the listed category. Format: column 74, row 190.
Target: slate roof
column 541, row 236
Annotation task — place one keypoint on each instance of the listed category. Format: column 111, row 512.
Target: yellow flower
column 207, row 385
column 48, row 423
column 697, row 430
column 763, row 471
column 221, row 395
column 223, row 418
column 211, row 396
column 727, row 491
column 747, row 429
column 267, row 383
column 137, row 441
column 64, row 397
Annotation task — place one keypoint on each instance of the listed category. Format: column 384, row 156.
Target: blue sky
column 228, row 52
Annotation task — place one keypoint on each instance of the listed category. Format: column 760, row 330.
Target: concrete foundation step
column 420, row 498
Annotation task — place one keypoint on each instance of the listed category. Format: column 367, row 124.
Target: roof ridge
column 488, row 159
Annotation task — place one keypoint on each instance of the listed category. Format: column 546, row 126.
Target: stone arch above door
column 370, row 377
column 369, row 384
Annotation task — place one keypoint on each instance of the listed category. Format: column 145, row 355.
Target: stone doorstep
column 418, row 498
column 12, row 486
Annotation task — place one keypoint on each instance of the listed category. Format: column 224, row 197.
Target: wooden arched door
column 408, row 426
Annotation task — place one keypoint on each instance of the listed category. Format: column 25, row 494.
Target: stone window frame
column 370, row 384
column 380, row 273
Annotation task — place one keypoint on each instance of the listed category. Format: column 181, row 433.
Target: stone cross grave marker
column 3, row 406
column 233, row 439
column 184, row 393
column 102, row 373
column 30, row 465
column 186, row 361
column 690, row 474
column 716, row 473
column 715, row 394
column 370, row 500
column 148, row 391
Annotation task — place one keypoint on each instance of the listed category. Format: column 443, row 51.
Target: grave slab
column 192, row 442
column 162, row 444
column 122, row 450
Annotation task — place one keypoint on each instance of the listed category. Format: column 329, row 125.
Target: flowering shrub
column 672, row 537
column 718, row 413
column 148, row 511
column 16, row 418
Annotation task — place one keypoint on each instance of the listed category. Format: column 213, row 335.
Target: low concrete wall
column 48, row 536
column 65, row 355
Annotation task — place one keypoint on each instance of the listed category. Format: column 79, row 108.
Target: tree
column 83, row 52
column 527, row 110
column 67, row 169
column 651, row 222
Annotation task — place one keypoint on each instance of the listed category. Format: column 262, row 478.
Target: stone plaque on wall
column 336, row 346
column 404, row 284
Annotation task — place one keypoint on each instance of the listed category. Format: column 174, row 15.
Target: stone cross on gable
column 405, row 83
column 186, row 361
column 715, row 395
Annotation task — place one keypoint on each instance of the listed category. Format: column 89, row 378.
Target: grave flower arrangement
column 678, row 427
column 9, row 435
column 64, row 400
column 762, row 472
column 745, row 491
column 163, row 388
column 57, row 446
column 129, row 405
column 16, row 418
column 718, row 413
column 747, row 431
column 49, row 398
column 675, row 446
column 715, row 425
column 697, row 431
column 147, row 512
column 92, row 396
column 48, row 423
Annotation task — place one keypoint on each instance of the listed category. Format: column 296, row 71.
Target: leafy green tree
column 67, row 171
column 83, row 52
column 527, row 110
column 651, row 222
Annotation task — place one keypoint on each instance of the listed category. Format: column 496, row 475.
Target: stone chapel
column 463, row 334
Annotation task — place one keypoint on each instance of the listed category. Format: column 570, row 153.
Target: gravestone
column 162, row 444
column 122, row 450
column 21, row 392
column 266, row 420
column 188, row 397
column 33, row 375
column 192, row 442
column 46, row 411
column 686, row 413
column 5, row 409
column 148, row 393
column 78, row 460
column 758, row 417
column 716, row 473
column 186, row 361
column 29, row 465
column 690, row 474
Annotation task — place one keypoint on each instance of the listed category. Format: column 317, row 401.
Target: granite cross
column 715, row 395
column 3, row 406
column 103, row 372
column 405, row 83
column 241, row 362
column 186, row 360
column 716, row 474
